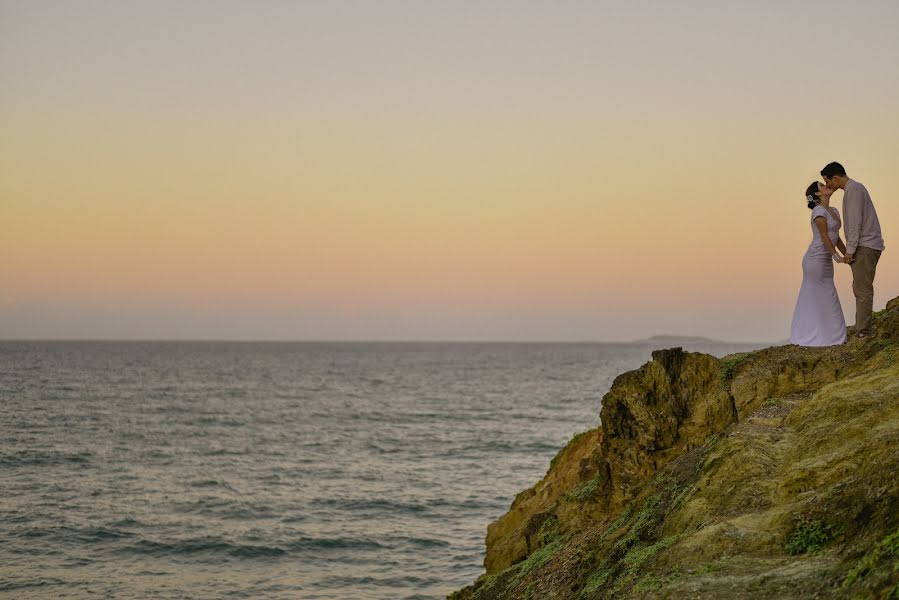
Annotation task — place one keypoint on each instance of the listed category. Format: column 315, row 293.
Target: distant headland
column 674, row 340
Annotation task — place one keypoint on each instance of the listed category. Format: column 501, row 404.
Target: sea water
column 277, row 470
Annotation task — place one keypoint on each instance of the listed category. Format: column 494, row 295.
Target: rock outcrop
column 769, row 474
column 516, row 534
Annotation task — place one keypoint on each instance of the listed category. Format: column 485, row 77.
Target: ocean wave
column 10, row 586
column 126, row 522
column 215, row 420
column 94, row 535
column 212, row 483
column 203, row 483
column 213, row 546
column 470, row 504
column 43, row 458
column 401, row 582
column 219, row 547
column 381, row 449
column 294, row 519
column 226, row 509
column 66, row 534
column 226, row 452
column 423, row 542
column 373, row 504
column 340, row 543
column 516, row 446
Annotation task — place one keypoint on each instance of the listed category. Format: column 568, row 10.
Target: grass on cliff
column 597, row 580
column 884, row 551
column 585, row 491
column 810, row 536
column 602, row 573
column 626, row 549
column 889, row 349
column 728, row 366
column 537, row 559
column 624, row 562
column 638, row 556
column 550, row 543
column 499, row 584
column 650, row 583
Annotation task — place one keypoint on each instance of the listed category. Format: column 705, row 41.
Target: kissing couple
column 818, row 317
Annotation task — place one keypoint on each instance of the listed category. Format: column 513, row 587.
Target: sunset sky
column 386, row 170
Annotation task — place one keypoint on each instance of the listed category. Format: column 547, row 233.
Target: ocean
column 277, row 470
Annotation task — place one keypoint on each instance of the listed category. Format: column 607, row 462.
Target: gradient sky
column 432, row 170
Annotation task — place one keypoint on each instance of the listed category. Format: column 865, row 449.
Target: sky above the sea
column 432, row 170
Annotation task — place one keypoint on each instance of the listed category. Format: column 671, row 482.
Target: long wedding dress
column 818, row 317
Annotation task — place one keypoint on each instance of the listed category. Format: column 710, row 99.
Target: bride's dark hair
column 813, row 192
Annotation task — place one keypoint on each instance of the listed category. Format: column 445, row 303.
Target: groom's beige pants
column 863, row 269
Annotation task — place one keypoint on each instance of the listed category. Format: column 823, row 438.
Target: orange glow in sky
column 403, row 170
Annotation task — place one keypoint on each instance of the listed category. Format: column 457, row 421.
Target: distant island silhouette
column 678, row 339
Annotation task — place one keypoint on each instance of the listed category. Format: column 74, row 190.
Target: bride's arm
column 821, row 222
column 840, row 245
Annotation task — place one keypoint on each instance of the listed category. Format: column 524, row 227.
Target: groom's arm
column 852, row 215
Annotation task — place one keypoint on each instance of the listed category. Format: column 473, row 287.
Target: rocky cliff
column 771, row 474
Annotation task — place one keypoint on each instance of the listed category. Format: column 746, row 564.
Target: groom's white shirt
column 860, row 221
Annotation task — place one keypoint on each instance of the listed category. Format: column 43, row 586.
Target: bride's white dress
column 818, row 317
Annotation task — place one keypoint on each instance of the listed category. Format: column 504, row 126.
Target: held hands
column 848, row 259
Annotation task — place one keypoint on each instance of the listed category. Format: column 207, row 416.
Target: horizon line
column 685, row 338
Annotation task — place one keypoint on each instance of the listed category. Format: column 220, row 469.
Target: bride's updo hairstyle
column 811, row 194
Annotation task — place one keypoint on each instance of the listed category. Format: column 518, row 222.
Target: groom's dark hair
column 833, row 169
column 812, row 190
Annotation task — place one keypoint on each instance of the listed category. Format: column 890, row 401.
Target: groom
column 864, row 242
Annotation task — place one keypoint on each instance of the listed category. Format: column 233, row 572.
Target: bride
column 818, row 317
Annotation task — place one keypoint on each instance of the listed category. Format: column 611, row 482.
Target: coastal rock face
column 649, row 417
column 769, row 474
column 516, row 534
column 657, row 412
